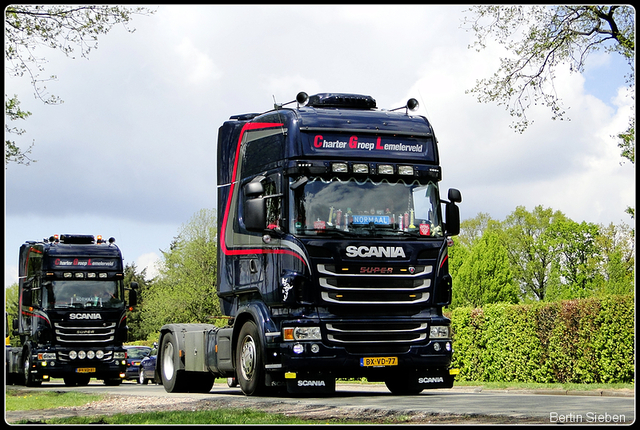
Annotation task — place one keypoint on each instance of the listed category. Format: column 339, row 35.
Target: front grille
column 89, row 333
column 364, row 285
column 377, row 332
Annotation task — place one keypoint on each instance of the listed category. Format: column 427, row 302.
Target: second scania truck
column 332, row 254
column 72, row 312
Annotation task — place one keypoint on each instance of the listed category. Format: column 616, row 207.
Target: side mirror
column 452, row 212
column 255, row 207
column 133, row 298
column 454, row 195
column 453, row 219
column 255, row 214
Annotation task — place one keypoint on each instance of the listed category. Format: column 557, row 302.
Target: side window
column 273, row 198
column 264, row 149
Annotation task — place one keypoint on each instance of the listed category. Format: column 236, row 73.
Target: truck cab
column 332, row 253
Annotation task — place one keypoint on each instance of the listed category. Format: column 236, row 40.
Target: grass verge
column 19, row 400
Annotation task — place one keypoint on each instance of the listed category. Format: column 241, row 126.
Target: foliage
column 11, row 309
column 541, row 38
column 185, row 290
column 13, row 153
column 539, row 256
column 62, row 28
column 134, row 318
column 572, row 341
column 484, row 275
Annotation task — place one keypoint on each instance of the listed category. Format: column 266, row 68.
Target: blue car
column 148, row 368
column 135, row 354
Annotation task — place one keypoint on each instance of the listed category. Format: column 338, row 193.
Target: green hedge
column 574, row 341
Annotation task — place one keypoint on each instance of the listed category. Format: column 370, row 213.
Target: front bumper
column 315, row 356
column 44, row 366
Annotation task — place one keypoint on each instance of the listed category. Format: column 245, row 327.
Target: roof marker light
column 385, row 169
column 360, row 168
column 339, row 167
column 405, row 170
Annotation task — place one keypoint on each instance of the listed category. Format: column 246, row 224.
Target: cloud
column 197, row 67
column 148, row 261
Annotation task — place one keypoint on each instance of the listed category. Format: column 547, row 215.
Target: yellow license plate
column 86, row 370
column 378, row 361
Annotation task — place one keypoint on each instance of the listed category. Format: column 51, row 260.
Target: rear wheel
column 141, row 379
column 249, row 360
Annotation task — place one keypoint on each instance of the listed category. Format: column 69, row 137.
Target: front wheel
column 249, row 360
column 172, row 377
column 29, row 380
column 401, row 387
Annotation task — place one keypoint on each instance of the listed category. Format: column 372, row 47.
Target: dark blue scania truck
column 72, row 312
column 332, row 254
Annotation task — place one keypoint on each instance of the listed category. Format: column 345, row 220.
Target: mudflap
column 310, row 383
column 427, row 381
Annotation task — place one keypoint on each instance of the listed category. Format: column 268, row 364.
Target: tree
column 62, row 28
column 542, row 38
column 11, row 308
column 617, row 263
column 485, row 275
column 134, row 319
column 533, row 250
column 185, row 289
column 578, row 257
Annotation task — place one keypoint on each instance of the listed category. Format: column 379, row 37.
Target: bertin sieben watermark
column 587, row 418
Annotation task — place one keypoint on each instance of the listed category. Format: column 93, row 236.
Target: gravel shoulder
column 314, row 414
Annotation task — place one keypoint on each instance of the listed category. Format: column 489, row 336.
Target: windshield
column 83, row 294
column 366, row 208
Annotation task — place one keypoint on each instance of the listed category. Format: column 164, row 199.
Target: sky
column 131, row 153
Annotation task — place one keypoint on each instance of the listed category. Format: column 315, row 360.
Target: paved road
column 546, row 406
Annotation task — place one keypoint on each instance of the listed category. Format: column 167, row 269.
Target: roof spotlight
column 412, row 104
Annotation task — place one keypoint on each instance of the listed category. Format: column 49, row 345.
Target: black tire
column 249, row 360
column 173, row 378
column 76, row 380
column 199, row 382
column 399, row 387
column 142, row 379
column 112, row 382
column 28, row 379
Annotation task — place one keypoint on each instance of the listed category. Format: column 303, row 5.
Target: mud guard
column 310, row 383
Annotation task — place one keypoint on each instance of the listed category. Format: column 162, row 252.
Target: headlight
column 119, row 355
column 302, row 333
column 439, row 332
column 73, row 355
